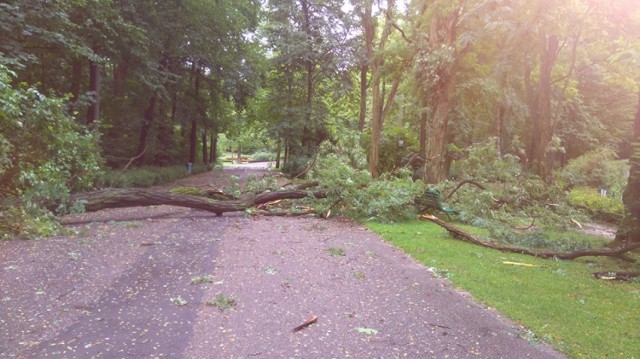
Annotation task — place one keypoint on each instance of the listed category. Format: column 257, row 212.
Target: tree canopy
column 419, row 83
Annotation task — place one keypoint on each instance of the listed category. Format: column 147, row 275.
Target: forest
column 508, row 124
column 538, row 102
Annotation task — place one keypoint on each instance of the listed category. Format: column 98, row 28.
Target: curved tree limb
column 457, row 187
column 617, row 252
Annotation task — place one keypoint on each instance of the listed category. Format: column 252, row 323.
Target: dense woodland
column 422, row 85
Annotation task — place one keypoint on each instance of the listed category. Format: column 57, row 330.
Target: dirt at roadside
column 122, row 287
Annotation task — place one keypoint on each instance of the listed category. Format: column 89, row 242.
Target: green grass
column 559, row 301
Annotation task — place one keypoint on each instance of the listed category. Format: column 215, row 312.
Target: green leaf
column 367, row 331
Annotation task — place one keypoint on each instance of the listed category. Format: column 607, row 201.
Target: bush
column 44, row 156
column 597, row 168
column 603, row 208
column 263, row 156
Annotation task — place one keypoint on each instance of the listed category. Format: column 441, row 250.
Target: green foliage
column 336, row 252
column 263, row 156
column 397, row 145
column 558, row 301
column 352, row 190
column 222, row 302
column 596, row 168
column 146, row 176
column 484, row 164
column 45, row 156
column 608, row 209
column 202, row 279
column 557, row 241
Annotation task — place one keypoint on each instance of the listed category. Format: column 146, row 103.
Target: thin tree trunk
column 205, row 150
column 441, row 33
column 629, row 229
column 213, row 157
column 119, row 79
column 541, row 116
column 193, row 135
column 163, row 136
column 93, row 113
column 278, row 149
column 146, row 125
column 377, row 90
column 364, row 69
column 424, row 118
column 76, row 79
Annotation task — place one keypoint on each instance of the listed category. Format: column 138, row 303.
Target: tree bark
column 618, row 252
column 362, row 116
column 278, row 150
column 146, row 125
column 205, row 151
column 93, row 113
column 541, row 113
column 213, row 156
column 377, row 90
column 193, row 135
column 629, row 229
column 138, row 197
column 441, row 33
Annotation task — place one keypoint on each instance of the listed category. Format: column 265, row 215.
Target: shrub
column 44, row 156
column 483, row 163
column 594, row 169
column 263, row 156
column 603, row 208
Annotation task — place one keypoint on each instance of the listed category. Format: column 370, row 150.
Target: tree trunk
column 629, row 229
column 119, row 78
column 362, row 116
column 377, row 84
column 541, row 129
column 76, row 79
column 213, row 155
column 424, row 118
column 138, row 197
column 93, row 113
column 146, row 125
column 164, row 136
column 278, row 150
column 193, row 135
column 205, row 149
column 441, row 33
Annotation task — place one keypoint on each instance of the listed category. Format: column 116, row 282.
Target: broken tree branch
column 457, row 187
column 617, row 252
column 135, row 197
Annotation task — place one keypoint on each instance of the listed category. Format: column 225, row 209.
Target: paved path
column 122, row 288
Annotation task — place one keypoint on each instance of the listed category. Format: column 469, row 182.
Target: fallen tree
column 139, row 197
column 607, row 252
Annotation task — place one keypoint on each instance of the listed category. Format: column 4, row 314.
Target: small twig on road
column 311, row 320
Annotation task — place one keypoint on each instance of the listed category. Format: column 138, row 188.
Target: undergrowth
column 146, row 176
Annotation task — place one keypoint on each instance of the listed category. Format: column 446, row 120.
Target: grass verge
column 559, row 301
column 146, row 176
